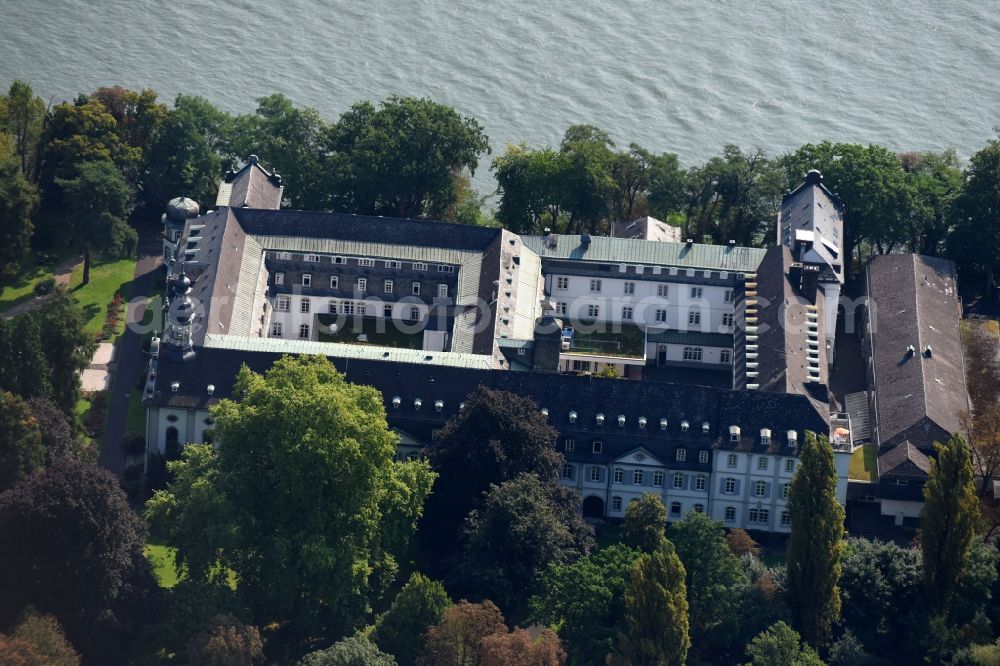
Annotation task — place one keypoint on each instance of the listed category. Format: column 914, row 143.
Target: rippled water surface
column 671, row 75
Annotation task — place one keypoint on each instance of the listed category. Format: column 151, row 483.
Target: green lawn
column 629, row 341
column 162, row 558
column 864, row 465
column 380, row 331
column 106, row 278
column 22, row 288
column 135, row 417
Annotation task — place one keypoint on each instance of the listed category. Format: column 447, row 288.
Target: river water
column 681, row 76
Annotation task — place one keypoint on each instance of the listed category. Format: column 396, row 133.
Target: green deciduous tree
column 402, row 157
column 816, row 544
column 97, row 205
column 24, row 369
column 22, row 115
column 975, row 240
column 67, row 348
column 354, row 651
column 585, row 601
column 522, row 526
column 781, row 646
column 418, row 606
column 18, row 202
column 21, row 450
column 948, row 519
column 645, row 523
column 656, row 610
column 314, row 553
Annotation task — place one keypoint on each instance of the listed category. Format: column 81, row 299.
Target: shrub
column 45, row 286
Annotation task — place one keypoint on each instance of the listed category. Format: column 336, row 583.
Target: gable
column 639, row 456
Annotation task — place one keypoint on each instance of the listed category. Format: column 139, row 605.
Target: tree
column 935, row 180
column 67, row 348
column 645, row 523
column 22, row 115
column 947, row 522
column 713, row 579
column 21, row 450
column 975, row 239
column 741, row 543
column 354, row 651
column 57, row 434
column 419, row 605
column 313, row 554
column 97, row 201
column 455, row 641
column 18, row 202
column 585, row 601
column 73, row 547
column 521, row 647
column 656, row 617
column 523, row 526
column 781, row 646
column 226, row 642
column 402, row 157
column 43, row 637
column 24, row 369
column 531, row 185
column 498, row 436
column 816, row 544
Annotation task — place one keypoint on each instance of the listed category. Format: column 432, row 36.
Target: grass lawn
column 106, row 278
column 135, row 417
column 380, row 331
column 864, row 465
column 162, row 558
column 22, row 288
column 630, row 341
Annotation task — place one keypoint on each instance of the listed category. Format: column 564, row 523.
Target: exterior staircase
column 857, row 409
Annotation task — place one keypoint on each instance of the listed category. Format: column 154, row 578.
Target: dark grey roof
column 811, row 209
column 251, row 187
column 913, row 301
column 904, row 460
column 369, row 228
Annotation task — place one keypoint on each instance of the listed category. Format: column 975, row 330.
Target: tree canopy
column 21, row 450
column 656, row 610
column 419, row 605
column 645, row 523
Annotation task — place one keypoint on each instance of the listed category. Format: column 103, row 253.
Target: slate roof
column 654, row 253
column 813, row 213
column 250, row 187
column 904, row 460
column 648, row 228
column 914, row 301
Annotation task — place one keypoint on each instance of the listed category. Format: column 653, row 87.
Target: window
column 597, row 446
column 595, row 473
column 759, row 516
column 619, row 476
column 276, row 329
column 304, row 331
column 284, row 255
column 414, row 313
column 727, row 296
column 696, row 293
column 593, row 310
column 694, row 318
column 581, row 366
column 786, row 519
column 281, row 303
column 730, row 514
column 692, row 353
column 560, row 308
column 700, row 482
column 662, row 290
column 562, row 283
column 790, row 465
column 340, row 260
column 628, row 288
column 347, row 307
column 446, row 269
column 595, row 285
column 391, row 263
column 703, row 457
column 760, row 489
column 729, row 487
column 442, row 291
column 675, row 508
column 387, row 286
column 304, row 305
column 725, row 356
column 900, row 482
column 731, row 460
column 334, row 282
column 637, row 477
column 698, row 508
column 784, row 490
column 387, row 311
column 367, row 263
column 627, row 312
column 279, row 278
column 567, row 471
column 417, row 266
column 307, row 279
column 657, row 479
column 362, row 284
column 661, row 315
column 727, row 319
column 681, row 455
column 762, row 464
column 416, row 288
column 678, row 480
column 311, row 258
column 569, row 445
column 616, row 503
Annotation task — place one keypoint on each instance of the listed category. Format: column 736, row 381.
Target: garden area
column 104, row 298
column 36, row 278
column 864, row 464
column 377, row 331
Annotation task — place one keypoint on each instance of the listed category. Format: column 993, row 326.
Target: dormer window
column 663, row 424
column 279, row 278
column 438, row 405
column 705, row 427
column 597, row 446
column 600, row 419
column 572, row 417
column 417, row 404
column 621, row 420
column 395, row 401
column 793, row 438
column 734, row 433
column 685, row 426
column 765, row 437
column 642, row 422
column 545, row 412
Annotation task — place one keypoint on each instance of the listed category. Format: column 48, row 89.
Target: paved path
column 62, row 274
column 131, row 359
column 95, row 377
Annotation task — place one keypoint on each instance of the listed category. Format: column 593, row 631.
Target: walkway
column 131, row 359
column 62, row 274
column 97, row 376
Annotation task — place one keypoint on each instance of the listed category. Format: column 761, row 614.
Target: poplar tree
column 645, row 523
column 816, row 544
column 656, row 610
column 948, row 519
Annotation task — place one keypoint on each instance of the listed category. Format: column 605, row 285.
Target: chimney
column 927, row 351
column 585, row 241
